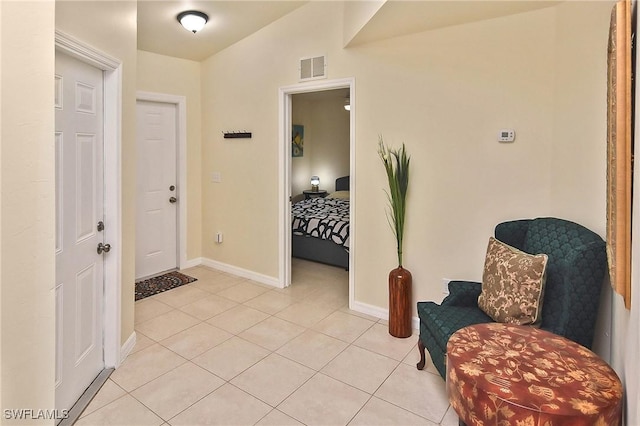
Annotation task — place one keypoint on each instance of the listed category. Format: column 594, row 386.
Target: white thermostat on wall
column 506, row 135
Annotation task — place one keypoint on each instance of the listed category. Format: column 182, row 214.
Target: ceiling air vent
column 313, row 68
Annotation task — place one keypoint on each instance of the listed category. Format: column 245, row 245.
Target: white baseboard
column 240, row 272
column 192, row 263
column 378, row 312
column 126, row 349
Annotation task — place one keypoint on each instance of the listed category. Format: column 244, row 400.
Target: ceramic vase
column 400, row 282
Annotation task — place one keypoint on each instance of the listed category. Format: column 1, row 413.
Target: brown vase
column 400, row 302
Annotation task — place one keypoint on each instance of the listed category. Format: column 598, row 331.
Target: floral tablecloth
column 499, row 374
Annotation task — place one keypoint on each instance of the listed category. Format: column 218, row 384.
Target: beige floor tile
column 451, row 418
column 175, row 391
column 165, row 325
column 202, row 272
column 278, row 418
column 242, row 291
column 208, row 307
column 272, row 333
column 144, row 366
column 377, row 412
column 149, row 308
column 214, row 285
column 181, row 296
column 371, row 318
column 324, row 401
column 299, row 290
column 226, row 405
column 196, row 340
column 273, row 379
column 108, row 393
column 142, row 342
column 231, row 357
column 312, row 349
column 377, row 339
column 305, row 314
column 361, row 368
column 420, row 392
column 270, row 302
column 238, row 319
column 344, row 326
column 123, row 411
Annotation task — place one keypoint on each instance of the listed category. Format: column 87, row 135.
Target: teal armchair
column 575, row 272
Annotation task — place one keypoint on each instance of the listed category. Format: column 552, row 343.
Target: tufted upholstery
column 575, row 272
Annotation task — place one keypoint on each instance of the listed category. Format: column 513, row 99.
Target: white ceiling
column 396, row 18
column 232, row 20
column 229, row 22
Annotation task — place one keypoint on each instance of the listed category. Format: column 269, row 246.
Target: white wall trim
column 381, row 313
column 181, row 106
column 192, row 263
column 126, row 349
column 241, row 272
column 112, row 69
column 284, row 173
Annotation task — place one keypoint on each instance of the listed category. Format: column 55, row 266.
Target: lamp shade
column 193, row 20
column 315, row 183
column 347, row 104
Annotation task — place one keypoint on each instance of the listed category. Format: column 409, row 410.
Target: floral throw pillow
column 512, row 284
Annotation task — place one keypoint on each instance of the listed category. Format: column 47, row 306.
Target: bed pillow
column 339, row 194
column 512, row 284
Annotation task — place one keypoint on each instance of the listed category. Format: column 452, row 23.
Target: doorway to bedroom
column 318, row 192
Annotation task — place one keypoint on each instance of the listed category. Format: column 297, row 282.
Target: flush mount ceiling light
column 193, row 20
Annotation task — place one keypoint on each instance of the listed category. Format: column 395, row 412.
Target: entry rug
column 168, row 281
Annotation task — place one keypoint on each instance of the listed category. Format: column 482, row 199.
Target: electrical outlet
column 216, row 177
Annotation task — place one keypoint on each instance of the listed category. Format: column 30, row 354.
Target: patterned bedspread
column 325, row 218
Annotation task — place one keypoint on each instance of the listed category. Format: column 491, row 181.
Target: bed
column 320, row 227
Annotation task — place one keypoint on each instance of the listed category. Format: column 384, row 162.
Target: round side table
column 511, row 374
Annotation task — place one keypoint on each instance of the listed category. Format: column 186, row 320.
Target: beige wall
column 440, row 92
column 111, row 27
column 174, row 76
column 27, row 197
column 326, row 145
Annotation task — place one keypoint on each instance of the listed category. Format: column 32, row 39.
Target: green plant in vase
column 396, row 163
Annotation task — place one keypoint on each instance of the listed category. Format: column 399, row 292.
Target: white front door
column 157, row 192
column 79, row 207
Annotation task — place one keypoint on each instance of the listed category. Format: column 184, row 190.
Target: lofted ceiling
column 229, row 22
column 232, row 20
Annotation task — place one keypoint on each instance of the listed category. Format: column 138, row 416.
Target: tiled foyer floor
column 228, row 351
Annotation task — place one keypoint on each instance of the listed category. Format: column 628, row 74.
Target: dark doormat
column 155, row 285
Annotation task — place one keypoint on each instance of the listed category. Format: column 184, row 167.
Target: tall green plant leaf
column 396, row 164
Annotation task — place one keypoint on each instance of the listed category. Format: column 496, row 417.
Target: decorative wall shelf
column 237, row 135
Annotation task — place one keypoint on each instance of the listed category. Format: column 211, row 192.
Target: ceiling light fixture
column 347, row 104
column 193, row 20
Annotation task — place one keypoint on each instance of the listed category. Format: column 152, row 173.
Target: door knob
column 173, row 200
column 103, row 248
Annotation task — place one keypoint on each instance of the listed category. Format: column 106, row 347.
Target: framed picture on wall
column 297, row 140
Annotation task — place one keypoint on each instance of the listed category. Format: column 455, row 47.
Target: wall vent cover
column 313, row 68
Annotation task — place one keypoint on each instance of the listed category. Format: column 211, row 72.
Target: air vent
column 313, row 68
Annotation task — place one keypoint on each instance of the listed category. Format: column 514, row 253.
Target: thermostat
column 506, row 135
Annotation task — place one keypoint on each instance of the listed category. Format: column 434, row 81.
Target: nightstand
column 308, row 193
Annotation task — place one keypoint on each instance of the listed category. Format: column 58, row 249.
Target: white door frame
column 284, row 97
column 112, row 71
column 181, row 163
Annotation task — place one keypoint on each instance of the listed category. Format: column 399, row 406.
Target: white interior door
column 157, row 192
column 79, row 207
